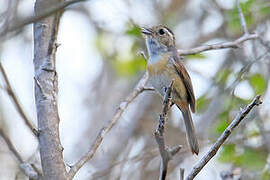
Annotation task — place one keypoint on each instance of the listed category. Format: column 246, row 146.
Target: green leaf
column 258, row 83
column 223, row 122
column 130, row 67
column 265, row 10
column 253, row 159
column 222, row 75
column 234, row 22
column 266, row 174
column 134, row 31
column 227, row 153
column 197, row 56
column 202, row 103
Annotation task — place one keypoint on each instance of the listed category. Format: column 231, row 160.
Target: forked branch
column 165, row 153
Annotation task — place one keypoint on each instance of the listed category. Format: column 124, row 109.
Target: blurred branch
column 140, row 87
column 27, row 168
column 213, row 150
column 140, row 157
column 233, row 44
column 165, row 153
column 242, row 18
column 43, row 14
column 18, row 106
column 182, row 173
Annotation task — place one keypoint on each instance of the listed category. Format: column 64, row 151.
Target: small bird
column 164, row 66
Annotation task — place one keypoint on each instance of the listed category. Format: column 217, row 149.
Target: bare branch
column 213, row 150
column 165, row 153
column 46, row 92
column 234, row 44
column 27, row 169
column 140, row 87
column 242, row 18
column 45, row 13
column 17, row 103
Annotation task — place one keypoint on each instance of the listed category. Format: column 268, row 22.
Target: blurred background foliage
column 224, row 81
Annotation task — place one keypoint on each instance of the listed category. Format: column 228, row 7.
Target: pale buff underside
column 162, row 72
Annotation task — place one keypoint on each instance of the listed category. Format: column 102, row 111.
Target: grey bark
column 46, row 92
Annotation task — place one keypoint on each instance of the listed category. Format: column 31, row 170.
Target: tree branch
column 165, row 153
column 234, row 44
column 213, row 150
column 46, row 92
column 17, row 103
column 27, row 169
column 140, row 87
column 43, row 14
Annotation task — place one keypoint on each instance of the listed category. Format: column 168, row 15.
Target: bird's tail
column 191, row 136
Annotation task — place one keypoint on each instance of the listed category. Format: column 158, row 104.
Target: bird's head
column 158, row 39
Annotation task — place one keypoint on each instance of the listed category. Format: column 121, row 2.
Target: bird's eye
column 161, row 31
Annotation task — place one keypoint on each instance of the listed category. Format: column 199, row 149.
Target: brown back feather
column 182, row 72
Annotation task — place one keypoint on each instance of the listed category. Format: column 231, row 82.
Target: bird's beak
column 146, row 31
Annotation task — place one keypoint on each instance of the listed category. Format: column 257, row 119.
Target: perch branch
column 140, row 87
column 17, row 103
column 213, row 150
column 165, row 153
column 25, row 167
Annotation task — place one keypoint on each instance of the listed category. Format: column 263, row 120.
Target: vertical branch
column 165, row 153
column 46, row 92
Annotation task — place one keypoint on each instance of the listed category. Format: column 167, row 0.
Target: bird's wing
column 182, row 72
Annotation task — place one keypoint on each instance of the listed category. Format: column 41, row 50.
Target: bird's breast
column 157, row 64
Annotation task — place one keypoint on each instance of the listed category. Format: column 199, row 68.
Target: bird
column 164, row 66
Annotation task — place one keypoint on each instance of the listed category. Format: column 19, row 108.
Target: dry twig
column 213, row 150
column 27, row 168
column 140, row 87
column 17, row 103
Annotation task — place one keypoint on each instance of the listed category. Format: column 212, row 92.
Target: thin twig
column 213, row 150
column 165, row 153
column 25, row 167
column 17, row 103
column 140, row 87
column 45, row 13
column 242, row 18
column 234, row 44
